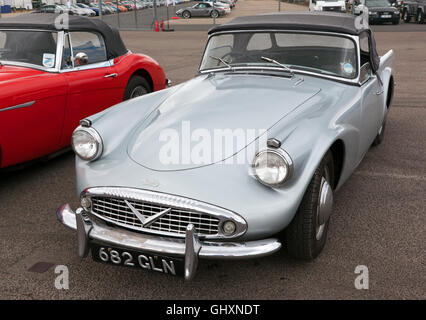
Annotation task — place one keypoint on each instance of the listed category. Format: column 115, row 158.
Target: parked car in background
column 83, row 11
column 95, row 6
column 381, row 11
column 414, row 9
column 70, row 11
column 51, row 9
column 51, row 79
column 203, row 9
column 231, row 3
column 327, row 5
column 223, row 5
column 95, row 9
column 315, row 91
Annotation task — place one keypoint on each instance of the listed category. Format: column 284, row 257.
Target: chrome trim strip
column 27, row 65
column 23, row 105
column 59, row 50
column 175, row 202
column 97, row 65
column 190, row 248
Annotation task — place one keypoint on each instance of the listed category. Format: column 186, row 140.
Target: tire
column 306, row 235
column 214, row 14
column 421, row 17
column 405, row 16
column 395, row 22
column 136, row 87
column 380, row 135
column 186, row 14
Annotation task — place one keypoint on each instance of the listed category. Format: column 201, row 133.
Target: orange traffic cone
column 157, row 27
column 162, row 25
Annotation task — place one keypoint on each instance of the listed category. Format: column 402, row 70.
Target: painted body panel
column 61, row 99
column 332, row 111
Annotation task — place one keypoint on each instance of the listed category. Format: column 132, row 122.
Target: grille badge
column 144, row 220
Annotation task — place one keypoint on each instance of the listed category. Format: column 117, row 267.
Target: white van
column 327, row 5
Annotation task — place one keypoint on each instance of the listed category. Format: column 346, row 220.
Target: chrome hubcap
column 138, row 91
column 324, row 207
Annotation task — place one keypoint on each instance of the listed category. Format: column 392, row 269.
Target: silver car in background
column 312, row 94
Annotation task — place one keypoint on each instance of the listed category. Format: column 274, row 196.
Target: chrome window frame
column 355, row 39
column 97, row 65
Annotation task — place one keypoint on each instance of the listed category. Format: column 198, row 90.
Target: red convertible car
column 53, row 74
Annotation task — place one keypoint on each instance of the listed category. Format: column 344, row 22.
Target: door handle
column 112, row 75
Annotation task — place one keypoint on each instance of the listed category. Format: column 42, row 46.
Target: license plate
column 385, row 16
column 135, row 259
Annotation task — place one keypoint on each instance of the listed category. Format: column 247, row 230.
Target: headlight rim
column 98, row 139
column 284, row 156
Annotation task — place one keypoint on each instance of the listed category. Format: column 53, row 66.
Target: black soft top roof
column 312, row 21
column 304, row 21
column 50, row 21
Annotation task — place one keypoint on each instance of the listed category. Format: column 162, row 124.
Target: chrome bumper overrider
column 191, row 248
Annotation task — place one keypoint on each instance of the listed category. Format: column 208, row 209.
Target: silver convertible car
column 240, row 159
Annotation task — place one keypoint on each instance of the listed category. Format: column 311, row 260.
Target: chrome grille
column 174, row 222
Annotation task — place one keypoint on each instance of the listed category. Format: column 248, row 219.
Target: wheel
column 380, row 135
column 136, row 87
column 405, row 16
column 420, row 17
column 186, row 14
column 214, row 14
column 307, row 233
column 395, row 22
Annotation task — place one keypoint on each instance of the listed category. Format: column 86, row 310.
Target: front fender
column 126, row 115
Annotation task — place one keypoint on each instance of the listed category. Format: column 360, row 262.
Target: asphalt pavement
column 378, row 221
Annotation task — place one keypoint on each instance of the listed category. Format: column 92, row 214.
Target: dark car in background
column 381, row 11
column 414, row 9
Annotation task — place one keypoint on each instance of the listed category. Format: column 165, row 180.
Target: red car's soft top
column 56, row 22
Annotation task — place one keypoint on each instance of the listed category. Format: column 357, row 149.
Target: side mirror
column 81, row 59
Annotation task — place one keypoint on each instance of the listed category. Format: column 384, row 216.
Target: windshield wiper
column 223, row 61
column 278, row 64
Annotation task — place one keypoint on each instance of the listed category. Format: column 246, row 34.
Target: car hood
column 12, row 73
column 201, row 110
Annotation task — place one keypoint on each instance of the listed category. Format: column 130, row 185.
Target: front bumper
column 373, row 19
column 191, row 248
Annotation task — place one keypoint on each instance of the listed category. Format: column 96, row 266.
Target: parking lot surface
column 378, row 221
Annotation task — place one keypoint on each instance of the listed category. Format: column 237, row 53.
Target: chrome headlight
column 87, row 143
column 272, row 167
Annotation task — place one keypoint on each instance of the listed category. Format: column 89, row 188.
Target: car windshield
column 377, row 3
column 323, row 54
column 32, row 47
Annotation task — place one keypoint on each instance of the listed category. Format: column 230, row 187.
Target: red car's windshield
column 31, row 47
